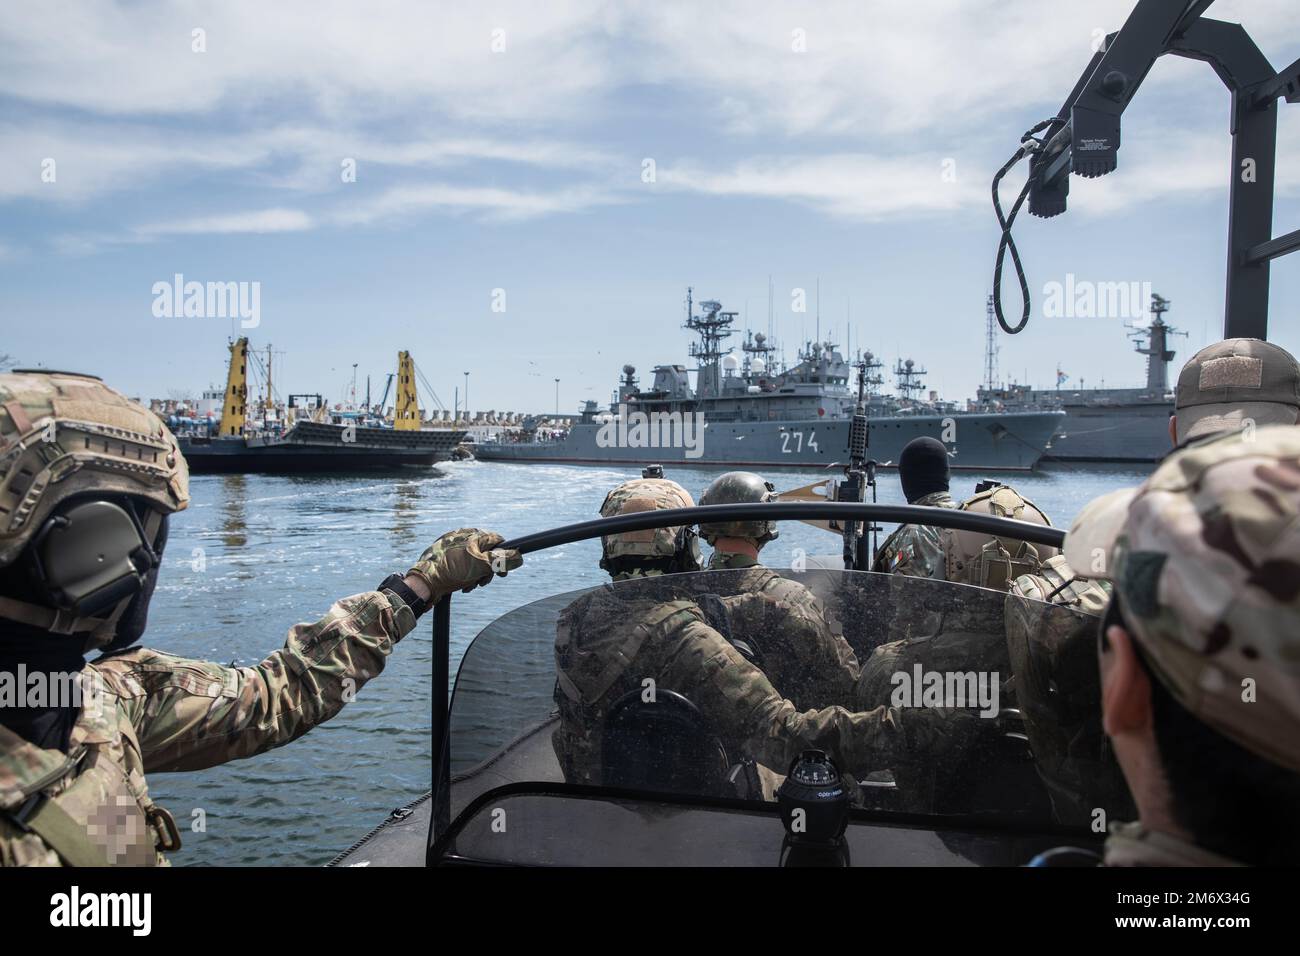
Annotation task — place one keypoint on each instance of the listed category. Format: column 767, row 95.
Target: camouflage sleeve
column 912, row 551
column 191, row 714
column 802, row 643
column 748, row 709
column 886, row 551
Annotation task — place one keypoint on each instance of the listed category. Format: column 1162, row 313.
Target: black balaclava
column 923, row 468
column 40, row 651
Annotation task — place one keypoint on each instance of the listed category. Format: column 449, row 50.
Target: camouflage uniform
column 1053, row 659
column 951, row 634
column 916, row 549
column 1205, row 560
column 607, row 645
column 804, row 653
column 158, row 712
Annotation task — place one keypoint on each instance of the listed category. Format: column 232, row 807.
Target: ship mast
column 268, row 407
column 909, row 379
column 868, row 378
column 712, row 325
column 990, row 347
column 1153, row 342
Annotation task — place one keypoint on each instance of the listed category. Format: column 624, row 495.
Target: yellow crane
column 406, row 411
column 234, row 409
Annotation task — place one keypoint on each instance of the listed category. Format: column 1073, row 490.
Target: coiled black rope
column 1029, row 143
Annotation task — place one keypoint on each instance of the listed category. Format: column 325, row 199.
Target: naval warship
column 745, row 411
column 1107, row 424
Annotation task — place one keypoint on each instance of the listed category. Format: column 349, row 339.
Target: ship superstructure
column 745, row 410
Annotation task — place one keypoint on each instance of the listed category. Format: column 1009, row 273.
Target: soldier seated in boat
column 805, row 656
column 959, row 633
column 88, row 480
column 652, row 636
column 912, row 549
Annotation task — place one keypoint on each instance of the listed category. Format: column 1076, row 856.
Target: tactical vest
column 989, row 561
column 93, row 808
column 1055, row 583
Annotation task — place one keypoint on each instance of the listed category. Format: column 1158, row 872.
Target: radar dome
column 629, row 369
column 759, row 366
column 730, row 362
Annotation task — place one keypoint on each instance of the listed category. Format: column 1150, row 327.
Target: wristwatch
column 396, row 584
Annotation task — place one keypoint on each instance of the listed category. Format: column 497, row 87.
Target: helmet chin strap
column 99, row 630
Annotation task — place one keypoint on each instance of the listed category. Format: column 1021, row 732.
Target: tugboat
column 312, row 443
column 745, row 412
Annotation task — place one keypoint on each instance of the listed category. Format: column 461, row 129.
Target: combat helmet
column 72, row 451
column 652, row 550
column 739, row 487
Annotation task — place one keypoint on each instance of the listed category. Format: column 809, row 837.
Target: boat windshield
column 932, row 698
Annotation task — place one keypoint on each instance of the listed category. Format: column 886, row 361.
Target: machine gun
column 859, row 474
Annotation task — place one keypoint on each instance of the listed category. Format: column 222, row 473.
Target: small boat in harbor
column 306, row 438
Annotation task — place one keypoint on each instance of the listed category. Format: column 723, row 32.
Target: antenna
column 1153, row 342
column 990, row 346
column 819, row 310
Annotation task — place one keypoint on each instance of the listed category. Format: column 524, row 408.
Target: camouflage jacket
column 1051, row 630
column 804, row 653
column 916, row 549
column 157, row 712
column 608, row 645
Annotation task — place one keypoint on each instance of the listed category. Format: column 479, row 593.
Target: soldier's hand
column 462, row 561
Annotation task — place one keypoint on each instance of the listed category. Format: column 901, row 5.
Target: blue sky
column 522, row 169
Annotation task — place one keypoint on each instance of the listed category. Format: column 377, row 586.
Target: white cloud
column 854, row 127
column 259, row 221
column 496, row 203
column 850, row 186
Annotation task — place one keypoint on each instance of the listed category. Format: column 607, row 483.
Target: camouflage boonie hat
column 739, row 487
column 644, row 494
column 1205, row 558
column 63, row 434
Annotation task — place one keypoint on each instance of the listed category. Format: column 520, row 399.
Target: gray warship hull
column 1100, row 433
column 1013, row 441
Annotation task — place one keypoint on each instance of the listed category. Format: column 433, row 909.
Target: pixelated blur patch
column 1141, row 579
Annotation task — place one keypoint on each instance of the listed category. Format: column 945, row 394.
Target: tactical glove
column 463, row 560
